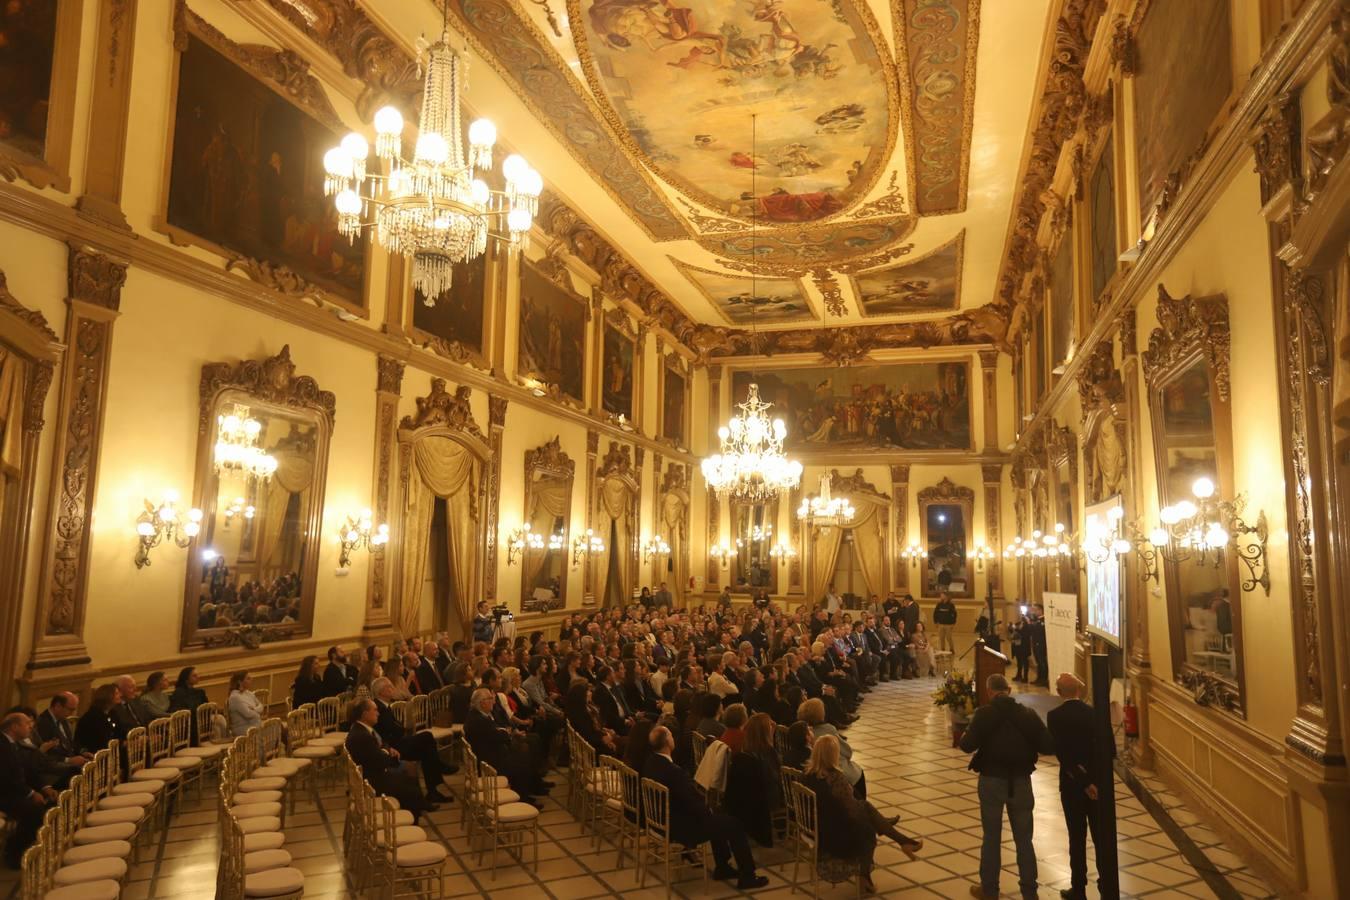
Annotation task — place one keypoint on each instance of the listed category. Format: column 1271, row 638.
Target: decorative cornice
column 946, row 490
column 95, row 277
column 30, row 317
column 1185, row 325
column 442, row 408
column 899, row 473
column 853, row 484
column 273, row 276
column 618, row 460
column 389, row 375
column 549, row 457
column 272, row 380
column 992, row 474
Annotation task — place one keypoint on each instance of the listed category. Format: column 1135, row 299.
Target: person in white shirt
column 718, row 683
column 245, row 709
column 831, row 601
column 659, row 678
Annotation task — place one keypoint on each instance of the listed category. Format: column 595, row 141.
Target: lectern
column 988, row 661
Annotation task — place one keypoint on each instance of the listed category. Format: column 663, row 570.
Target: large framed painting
column 39, row 59
column 1061, row 300
column 902, row 406
column 1179, row 88
column 246, row 170
column 617, row 372
column 454, row 321
column 552, row 332
column 928, row 284
column 1102, row 240
column 674, row 404
column 744, row 301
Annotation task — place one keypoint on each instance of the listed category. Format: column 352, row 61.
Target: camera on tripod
column 502, row 613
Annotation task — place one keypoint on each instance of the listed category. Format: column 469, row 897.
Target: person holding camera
column 484, row 625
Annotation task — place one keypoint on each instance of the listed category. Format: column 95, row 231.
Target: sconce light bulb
column 192, row 529
column 209, row 555
column 145, row 529
column 1121, row 546
column 1203, row 488
column 195, row 514
column 1158, row 537
column 1059, row 528
column 351, row 535
column 170, row 495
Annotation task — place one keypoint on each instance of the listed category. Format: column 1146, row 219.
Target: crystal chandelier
column 237, row 449
column 823, row 510
column 434, row 209
column 751, row 466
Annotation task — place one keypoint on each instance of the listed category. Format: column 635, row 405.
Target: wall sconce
column 1202, row 529
column 165, row 522
column 914, row 553
column 586, row 543
column 238, row 507
column 783, row 551
column 723, row 553
column 521, row 537
column 358, row 532
column 655, row 548
column 981, row 554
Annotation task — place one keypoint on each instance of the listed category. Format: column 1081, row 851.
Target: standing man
column 1038, row 648
column 484, row 626
column 909, row 614
column 1006, row 738
column 831, row 601
column 663, row 597
column 944, row 617
column 1075, row 738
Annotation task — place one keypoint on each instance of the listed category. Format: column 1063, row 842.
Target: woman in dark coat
column 186, row 694
column 308, row 686
column 585, row 720
column 754, row 781
column 96, row 728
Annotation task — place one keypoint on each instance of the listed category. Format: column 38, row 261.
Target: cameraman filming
column 484, row 625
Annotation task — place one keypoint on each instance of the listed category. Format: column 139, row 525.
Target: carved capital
column 988, row 359
column 1124, row 50
column 496, row 411
column 945, row 490
column 1275, row 147
column 442, row 408
column 389, row 375
column 95, row 277
column 899, row 473
column 592, row 442
column 993, row 473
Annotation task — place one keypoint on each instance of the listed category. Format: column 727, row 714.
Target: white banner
column 1061, row 622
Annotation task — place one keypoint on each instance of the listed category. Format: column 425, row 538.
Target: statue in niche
column 1107, row 461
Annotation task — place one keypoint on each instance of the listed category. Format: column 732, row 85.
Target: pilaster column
column 496, row 425
column 388, row 387
column 900, row 516
column 1136, row 590
column 634, row 550
column 110, row 102
column 93, row 303
column 592, row 449
column 656, row 517
column 993, row 517
column 989, row 374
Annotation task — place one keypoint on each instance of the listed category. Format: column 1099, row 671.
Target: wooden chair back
column 180, row 731
column 137, row 741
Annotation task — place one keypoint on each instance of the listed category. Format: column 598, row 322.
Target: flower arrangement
column 957, row 694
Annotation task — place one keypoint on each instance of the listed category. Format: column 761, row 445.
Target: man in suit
column 495, row 746
column 338, row 677
column 23, row 797
column 429, row 669
column 610, row 700
column 419, row 747
column 663, row 597
column 1076, row 744
column 692, row 823
column 380, row 763
column 56, row 737
column 129, row 713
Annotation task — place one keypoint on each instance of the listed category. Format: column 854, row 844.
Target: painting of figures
column 926, row 285
column 744, row 301
column 673, row 403
column 682, row 77
column 552, row 332
column 1102, row 204
column 457, row 315
column 616, row 392
column 904, row 406
column 247, row 175
column 27, row 41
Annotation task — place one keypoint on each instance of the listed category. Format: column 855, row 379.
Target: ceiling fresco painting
column 680, row 83
column 929, row 284
column 746, row 301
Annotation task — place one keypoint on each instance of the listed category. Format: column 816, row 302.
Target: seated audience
column 610, row 700
column 754, row 791
column 308, row 687
column 734, row 718
column 393, row 670
column 338, row 678
column 380, row 764
column 799, row 741
column 693, row 823
column 813, row 714
column 418, row 747
column 55, row 734
column 243, row 707
column 155, row 701
column 51, row 770
column 23, row 798
column 97, row 728
column 499, row 748
column 585, row 720
column 922, row 651
column 130, row 713
column 186, row 694
column 847, row 826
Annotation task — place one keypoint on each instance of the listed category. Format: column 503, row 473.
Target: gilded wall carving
column 440, row 407
column 1185, row 323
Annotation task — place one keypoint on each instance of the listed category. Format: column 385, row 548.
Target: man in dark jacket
column 610, row 700
column 1006, row 738
column 429, row 669
column 23, row 797
column 692, row 823
column 380, row 763
column 55, row 735
column 944, row 617
column 909, row 614
column 494, row 746
column 338, row 677
column 419, row 747
column 1076, row 744
column 1038, row 648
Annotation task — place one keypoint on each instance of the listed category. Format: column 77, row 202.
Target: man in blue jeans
column 1006, row 738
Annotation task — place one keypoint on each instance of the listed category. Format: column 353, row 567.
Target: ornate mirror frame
column 548, row 460
column 738, row 510
column 267, row 383
column 948, row 493
column 1194, row 331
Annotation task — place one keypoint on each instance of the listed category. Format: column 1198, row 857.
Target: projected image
column 1104, row 615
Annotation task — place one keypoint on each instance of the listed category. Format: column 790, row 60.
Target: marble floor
column 901, row 741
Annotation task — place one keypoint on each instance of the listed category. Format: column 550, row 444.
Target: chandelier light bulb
column 519, row 220
column 432, row 148
column 482, row 133
column 348, row 203
column 145, row 529
column 514, row 168
column 1116, row 513
column 1186, row 509
column 532, row 184
column 389, row 120
column 1216, row 536
column 1203, row 488
column 356, row 147
column 170, row 496
column 1169, row 515
column 338, row 163
column 1158, row 537
column 480, row 192
column 192, row 529
column 1120, row 546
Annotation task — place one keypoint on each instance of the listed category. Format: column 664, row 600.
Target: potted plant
column 957, row 694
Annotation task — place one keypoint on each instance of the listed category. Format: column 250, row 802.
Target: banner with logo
column 1061, row 623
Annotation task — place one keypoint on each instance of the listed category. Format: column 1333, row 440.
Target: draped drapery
column 552, row 499
column 616, row 529
column 446, row 469
column 293, row 477
column 673, row 508
column 869, row 548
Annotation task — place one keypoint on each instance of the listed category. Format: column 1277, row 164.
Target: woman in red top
column 734, row 718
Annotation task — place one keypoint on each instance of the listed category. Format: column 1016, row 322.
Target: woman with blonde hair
column 846, row 826
column 922, row 650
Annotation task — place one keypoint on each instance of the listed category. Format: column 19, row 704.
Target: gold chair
column 162, row 757
column 439, row 721
column 505, row 824
column 235, row 882
column 788, row 776
column 406, row 867
column 658, row 848
column 212, row 729
column 180, row 733
column 607, row 807
column 40, row 866
column 630, row 825
column 806, row 850
column 328, row 714
column 300, row 730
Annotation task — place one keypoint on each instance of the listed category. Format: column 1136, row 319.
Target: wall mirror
column 1186, row 370
column 548, row 510
column 754, row 568
column 261, row 462
column 946, row 514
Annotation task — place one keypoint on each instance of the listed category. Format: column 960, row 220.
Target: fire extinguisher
column 1131, row 714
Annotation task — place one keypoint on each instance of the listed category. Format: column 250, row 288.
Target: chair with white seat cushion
column 69, row 828
column 37, row 882
column 162, row 757
column 236, row 882
column 505, row 825
column 301, row 731
column 402, row 860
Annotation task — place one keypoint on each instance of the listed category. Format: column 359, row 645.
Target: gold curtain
column 824, row 553
column 446, row 469
column 869, row 548
column 616, row 531
column 673, row 508
column 294, row 475
column 11, row 412
column 553, row 498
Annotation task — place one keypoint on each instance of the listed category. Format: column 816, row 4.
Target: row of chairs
column 253, row 788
